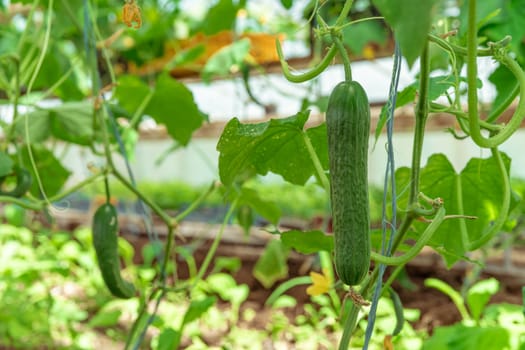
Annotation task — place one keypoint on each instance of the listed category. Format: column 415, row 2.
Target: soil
column 436, row 309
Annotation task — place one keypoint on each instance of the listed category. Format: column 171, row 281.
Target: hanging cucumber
column 348, row 128
column 105, row 241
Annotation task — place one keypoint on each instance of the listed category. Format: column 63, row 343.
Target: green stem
column 161, row 213
column 344, row 55
column 416, row 248
column 472, row 95
column 140, row 110
column 45, row 46
column 459, row 202
column 343, row 16
column 216, row 241
column 349, row 326
column 457, row 49
column 215, row 185
column 312, row 72
column 22, row 203
column 74, row 188
column 321, row 175
column 439, row 108
column 421, row 119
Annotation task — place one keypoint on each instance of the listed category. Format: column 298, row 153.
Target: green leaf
column 6, row 164
column 226, row 60
column 52, row 174
column 73, row 122
column 462, row 337
column 358, row 35
column 287, row 4
column 38, row 126
column 307, row 242
column 105, row 318
column 172, row 105
column 131, row 92
column 220, row 17
column 267, row 209
column 272, row 265
column 479, row 295
column 410, row 20
column 197, row 308
column 169, row 339
column 474, row 189
column 277, row 146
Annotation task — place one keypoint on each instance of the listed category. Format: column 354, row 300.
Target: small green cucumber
column 348, row 129
column 105, row 241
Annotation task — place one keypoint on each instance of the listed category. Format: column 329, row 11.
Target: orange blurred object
column 262, row 50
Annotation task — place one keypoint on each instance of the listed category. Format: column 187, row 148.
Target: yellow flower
column 320, row 283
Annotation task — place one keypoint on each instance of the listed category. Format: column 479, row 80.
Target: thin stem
column 343, row 16
column 216, row 241
column 321, row 175
column 161, row 213
column 312, row 72
column 22, row 203
column 421, row 119
column 416, row 248
column 472, row 95
column 457, row 49
column 140, row 110
column 439, row 108
column 344, row 55
column 215, row 185
column 45, row 46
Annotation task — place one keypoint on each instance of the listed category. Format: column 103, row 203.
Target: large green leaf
column 171, row 104
column 52, row 174
column 73, row 122
column 410, row 21
column 38, row 125
column 475, row 191
column 307, row 242
column 277, row 146
column 131, row 92
column 220, row 17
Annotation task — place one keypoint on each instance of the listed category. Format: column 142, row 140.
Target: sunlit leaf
column 172, row 105
column 474, row 192
column 275, row 146
column 307, row 242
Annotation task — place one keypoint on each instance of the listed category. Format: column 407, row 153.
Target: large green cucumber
column 348, row 128
column 105, row 241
